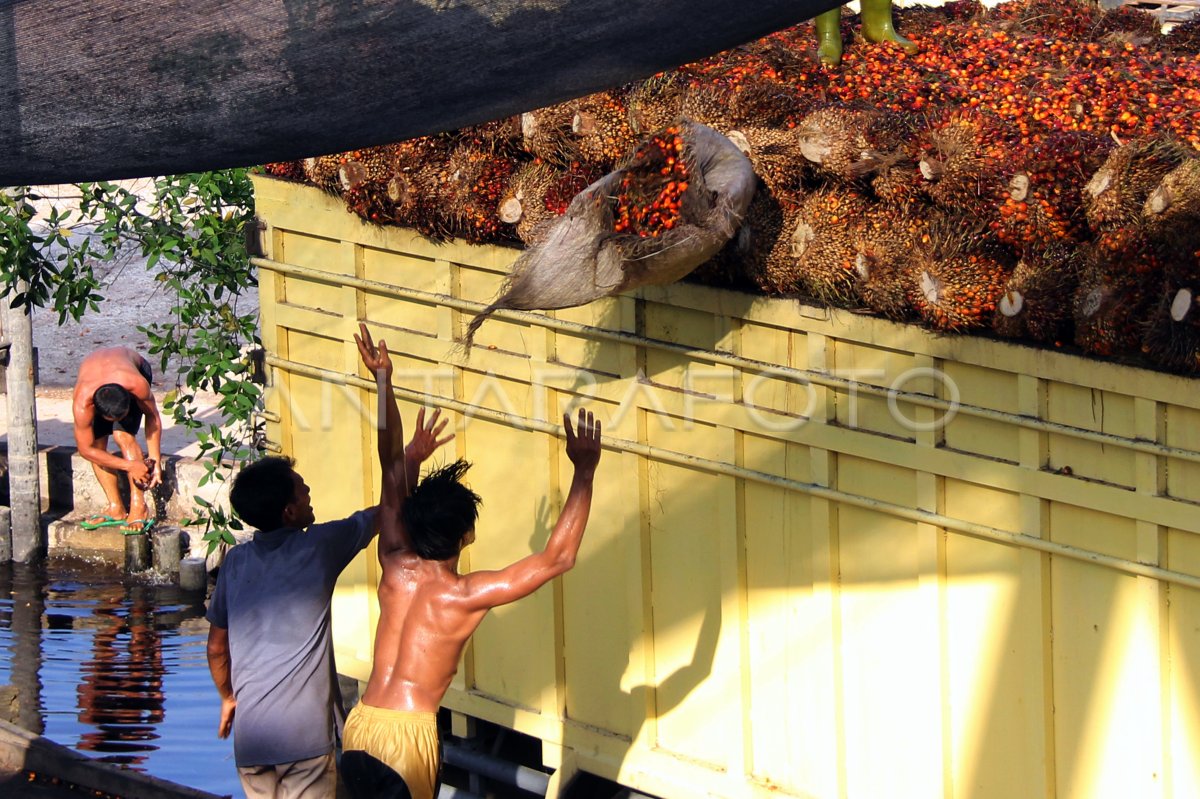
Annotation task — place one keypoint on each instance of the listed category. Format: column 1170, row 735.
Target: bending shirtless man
column 112, row 394
column 427, row 609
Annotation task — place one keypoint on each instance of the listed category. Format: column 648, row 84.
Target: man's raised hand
column 425, row 441
column 583, row 444
column 373, row 357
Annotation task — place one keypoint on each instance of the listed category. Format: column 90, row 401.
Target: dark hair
column 112, row 401
column 262, row 490
column 440, row 511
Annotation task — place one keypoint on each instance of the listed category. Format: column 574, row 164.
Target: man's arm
column 149, row 408
column 392, row 535
column 85, row 443
column 485, row 590
column 218, row 666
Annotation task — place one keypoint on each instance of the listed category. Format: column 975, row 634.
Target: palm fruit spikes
column 847, row 144
column 649, row 199
column 524, row 201
column 1171, row 212
column 884, row 238
column 1118, row 190
column 762, row 249
column 963, row 158
column 1171, row 338
column 601, row 128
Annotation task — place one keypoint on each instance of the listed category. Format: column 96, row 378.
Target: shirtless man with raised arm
column 112, row 394
column 428, row 610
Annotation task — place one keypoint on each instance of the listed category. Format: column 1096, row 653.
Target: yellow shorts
column 405, row 740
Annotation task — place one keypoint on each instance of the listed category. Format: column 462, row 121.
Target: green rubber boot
column 877, row 25
column 829, row 36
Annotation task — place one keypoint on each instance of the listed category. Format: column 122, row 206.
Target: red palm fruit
column 1036, row 303
column 286, row 170
column 1064, row 19
column 569, row 182
column 1128, row 24
column 957, row 278
column 823, row 245
column 475, row 184
column 601, row 129
column 1118, row 190
column 1041, row 205
column 1120, row 278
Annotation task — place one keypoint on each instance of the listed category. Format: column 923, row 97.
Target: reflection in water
column 113, row 666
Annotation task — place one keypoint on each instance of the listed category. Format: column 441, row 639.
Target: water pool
column 114, row 666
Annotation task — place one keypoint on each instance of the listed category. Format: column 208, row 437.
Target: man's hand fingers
column 567, row 428
column 421, row 418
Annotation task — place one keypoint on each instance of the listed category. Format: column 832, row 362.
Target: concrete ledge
column 105, row 543
column 21, row 750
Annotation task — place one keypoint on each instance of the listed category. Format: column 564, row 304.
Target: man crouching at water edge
column 427, row 610
column 269, row 644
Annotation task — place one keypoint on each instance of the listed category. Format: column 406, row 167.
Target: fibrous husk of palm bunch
column 476, row 181
column 958, row 277
column 369, row 199
column 775, row 154
column 601, row 129
column 761, row 251
column 670, row 208
column 1036, row 302
column 504, row 135
column 1120, row 278
column 897, row 180
column 848, row 144
column 546, row 134
column 524, row 201
column 963, row 155
column 322, row 172
column 1171, row 212
column 822, row 244
column 1041, row 204
column 654, row 103
column 1184, row 38
column 1116, row 193
column 884, row 240
column 1171, row 336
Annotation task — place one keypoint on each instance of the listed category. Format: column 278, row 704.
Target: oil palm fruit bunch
column 476, row 182
column 1120, row 278
column 1041, row 204
column 649, row 197
column 1171, row 336
column 1184, row 38
column 286, row 170
column 1171, row 212
column 761, row 251
column 1117, row 192
column 1126, row 23
column 823, row 244
column 371, row 164
column 884, row 240
column 322, row 171
column 848, row 144
column 1036, row 303
column 546, row 134
column 524, row 202
column 1065, row 19
column 962, row 160
column 654, row 103
column 600, row 125
column 775, row 154
column 957, row 278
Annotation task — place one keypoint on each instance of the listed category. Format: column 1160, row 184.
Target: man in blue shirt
column 269, row 645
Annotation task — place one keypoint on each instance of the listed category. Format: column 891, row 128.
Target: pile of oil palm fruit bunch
column 1032, row 172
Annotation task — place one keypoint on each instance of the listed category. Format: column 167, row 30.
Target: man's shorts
column 407, row 741
column 132, row 422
